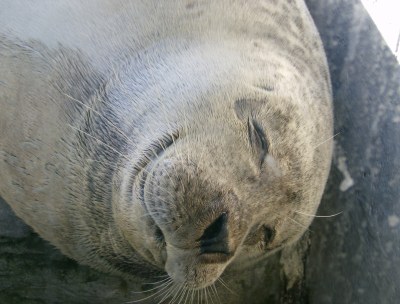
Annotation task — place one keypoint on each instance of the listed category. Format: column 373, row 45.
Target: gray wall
column 355, row 257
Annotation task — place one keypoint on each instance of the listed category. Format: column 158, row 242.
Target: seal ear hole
column 269, row 234
column 258, row 140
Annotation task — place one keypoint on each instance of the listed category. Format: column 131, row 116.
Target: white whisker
column 161, row 288
column 102, row 116
column 326, row 140
column 99, row 141
column 226, row 286
column 213, row 287
column 167, row 293
column 300, row 224
column 311, row 215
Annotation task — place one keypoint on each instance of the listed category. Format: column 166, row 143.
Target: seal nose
column 215, row 237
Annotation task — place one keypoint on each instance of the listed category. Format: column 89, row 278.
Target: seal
column 177, row 136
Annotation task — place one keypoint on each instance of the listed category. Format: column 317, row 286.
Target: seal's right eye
column 269, row 235
column 257, row 140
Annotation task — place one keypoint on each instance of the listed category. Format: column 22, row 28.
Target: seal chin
column 186, row 266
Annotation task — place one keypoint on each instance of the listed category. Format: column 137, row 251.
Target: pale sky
column 386, row 15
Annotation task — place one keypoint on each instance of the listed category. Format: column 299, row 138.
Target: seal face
column 195, row 138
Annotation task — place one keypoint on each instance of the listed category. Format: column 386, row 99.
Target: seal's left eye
column 257, row 140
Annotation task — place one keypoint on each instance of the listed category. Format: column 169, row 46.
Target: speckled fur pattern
column 128, row 127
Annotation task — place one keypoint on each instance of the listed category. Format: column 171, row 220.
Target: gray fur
column 91, row 94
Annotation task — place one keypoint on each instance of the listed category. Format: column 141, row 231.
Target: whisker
column 158, row 282
column 213, row 287
column 188, row 293
column 198, row 295
column 207, row 295
column 167, row 292
column 101, row 115
column 163, row 287
column 326, row 140
column 311, row 215
column 153, row 183
column 300, row 224
column 161, row 276
column 155, row 213
column 103, row 162
column 184, row 291
column 162, row 282
column 150, row 290
column 226, row 286
column 192, row 296
column 177, row 292
column 152, row 215
column 99, row 141
column 210, row 292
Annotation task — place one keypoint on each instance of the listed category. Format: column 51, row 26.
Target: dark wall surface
column 353, row 257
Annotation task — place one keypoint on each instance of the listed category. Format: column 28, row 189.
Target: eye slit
column 258, row 140
column 269, row 235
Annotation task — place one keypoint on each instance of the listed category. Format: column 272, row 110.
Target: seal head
column 223, row 179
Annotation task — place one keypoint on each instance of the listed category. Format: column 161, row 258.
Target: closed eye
column 258, row 140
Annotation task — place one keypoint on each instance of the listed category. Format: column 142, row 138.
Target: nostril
column 215, row 228
column 215, row 237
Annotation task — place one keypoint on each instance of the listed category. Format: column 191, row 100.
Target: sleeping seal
column 176, row 136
